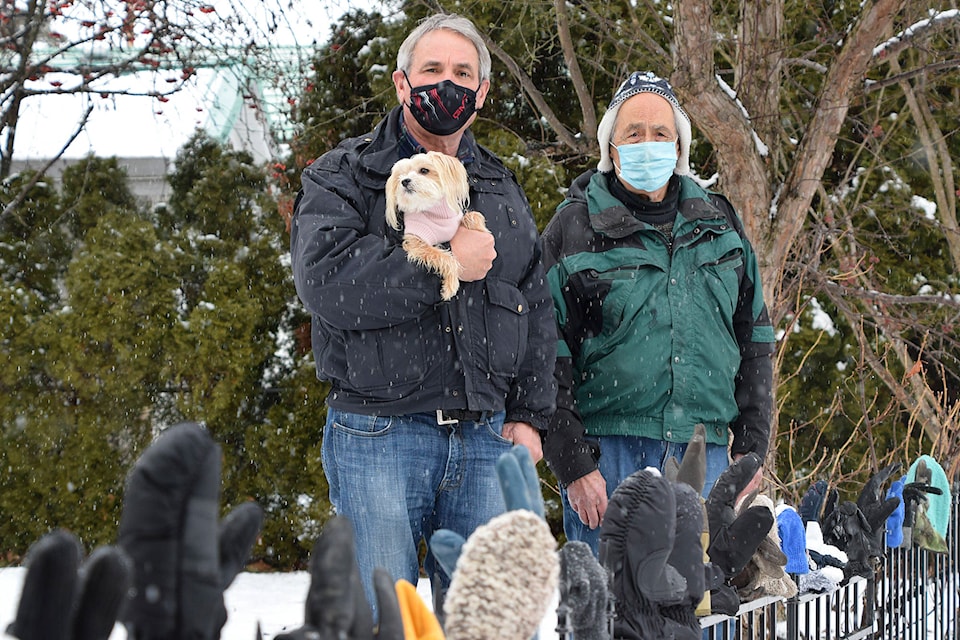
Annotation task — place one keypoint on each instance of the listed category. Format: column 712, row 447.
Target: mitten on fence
column 915, row 494
column 876, row 509
column 336, row 607
column 583, row 591
column 765, row 573
column 504, row 580
column 636, row 538
column 734, row 537
column 811, row 505
column 893, row 527
column 184, row 558
column 687, row 558
column 64, row 599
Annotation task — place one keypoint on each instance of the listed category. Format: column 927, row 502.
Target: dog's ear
column 393, row 183
column 453, row 179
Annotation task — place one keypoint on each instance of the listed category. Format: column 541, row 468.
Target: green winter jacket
column 651, row 344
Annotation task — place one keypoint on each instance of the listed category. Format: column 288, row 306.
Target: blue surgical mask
column 646, row 166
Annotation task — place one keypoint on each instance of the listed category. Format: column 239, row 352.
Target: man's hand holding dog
column 474, row 250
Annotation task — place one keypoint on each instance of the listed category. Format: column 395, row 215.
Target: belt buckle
column 444, row 420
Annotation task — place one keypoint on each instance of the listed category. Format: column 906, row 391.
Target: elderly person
column 661, row 317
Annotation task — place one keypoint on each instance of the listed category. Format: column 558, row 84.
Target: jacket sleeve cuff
column 538, row 421
column 567, row 450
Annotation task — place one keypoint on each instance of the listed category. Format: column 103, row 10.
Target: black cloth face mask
column 442, row 108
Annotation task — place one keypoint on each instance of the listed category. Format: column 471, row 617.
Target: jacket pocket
column 722, row 278
column 388, row 357
column 507, row 326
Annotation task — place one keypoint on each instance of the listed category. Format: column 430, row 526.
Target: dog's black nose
column 405, row 183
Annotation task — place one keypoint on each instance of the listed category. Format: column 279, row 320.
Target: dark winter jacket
column 652, row 341
column 381, row 333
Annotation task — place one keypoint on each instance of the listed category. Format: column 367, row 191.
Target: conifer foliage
column 132, row 320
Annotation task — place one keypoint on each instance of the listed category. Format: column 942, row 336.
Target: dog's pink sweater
column 434, row 225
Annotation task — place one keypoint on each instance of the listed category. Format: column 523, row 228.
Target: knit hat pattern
column 505, row 579
column 644, row 82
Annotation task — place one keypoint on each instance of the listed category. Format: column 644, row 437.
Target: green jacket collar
column 611, row 218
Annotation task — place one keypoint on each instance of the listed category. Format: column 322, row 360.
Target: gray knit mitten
column 504, row 580
column 583, row 591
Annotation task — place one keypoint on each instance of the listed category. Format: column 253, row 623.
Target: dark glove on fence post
column 876, row 509
column 183, row 558
column 811, row 505
column 636, row 539
column 336, row 607
column 733, row 538
column 62, row 599
column 583, row 591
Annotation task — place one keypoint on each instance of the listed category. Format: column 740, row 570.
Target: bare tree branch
column 589, row 127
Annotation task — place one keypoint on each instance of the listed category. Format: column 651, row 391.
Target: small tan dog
column 431, row 191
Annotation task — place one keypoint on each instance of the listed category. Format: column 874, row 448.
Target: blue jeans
column 620, row 456
column 400, row 478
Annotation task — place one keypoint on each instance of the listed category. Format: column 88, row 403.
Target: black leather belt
column 452, row 416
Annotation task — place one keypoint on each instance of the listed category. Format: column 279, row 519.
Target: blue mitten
column 894, row 524
column 519, row 482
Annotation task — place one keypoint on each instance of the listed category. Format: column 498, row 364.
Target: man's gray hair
column 451, row 22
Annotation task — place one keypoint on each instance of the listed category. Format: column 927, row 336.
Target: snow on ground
column 274, row 600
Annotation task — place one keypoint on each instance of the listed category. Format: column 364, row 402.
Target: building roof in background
column 230, row 101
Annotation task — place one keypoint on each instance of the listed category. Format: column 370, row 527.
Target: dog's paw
column 474, row 220
column 449, row 287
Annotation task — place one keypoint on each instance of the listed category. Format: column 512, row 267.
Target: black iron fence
column 915, row 595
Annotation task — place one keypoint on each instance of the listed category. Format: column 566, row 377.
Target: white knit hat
column 644, row 82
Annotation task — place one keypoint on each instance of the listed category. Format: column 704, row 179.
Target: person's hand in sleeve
column 588, row 497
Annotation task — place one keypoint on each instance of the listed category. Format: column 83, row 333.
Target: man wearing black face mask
column 425, row 393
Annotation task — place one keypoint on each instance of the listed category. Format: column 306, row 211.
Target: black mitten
column 636, row 539
column 734, row 538
column 687, row 558
column 876, row 509
column 64, row 600
column 169, row 527
column 811, row 505
column 583, row 591
column 336, row 607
